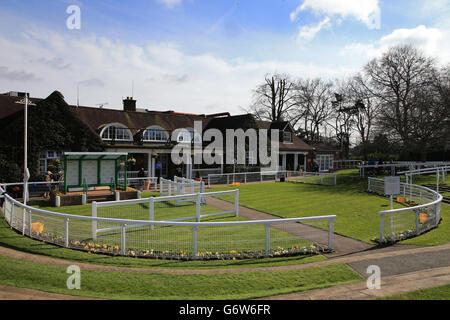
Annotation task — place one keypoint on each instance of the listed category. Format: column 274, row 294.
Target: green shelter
column 95, row 169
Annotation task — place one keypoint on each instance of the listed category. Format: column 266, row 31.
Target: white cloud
column 366, row 11
column 309, row 32
column 432, row 41
column 165, row 77
column 170, row 3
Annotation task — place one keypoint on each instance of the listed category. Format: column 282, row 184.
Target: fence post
column 94, row 221
column 66, row 232
column 335, row 179
column 267, row 238
column 197, row 206
column 236, row 203
column 123, row 240
column 228, row 179
column 194, row 241
column 330, row 233
column 151, row 208
column 245, row 178
column 24, row 216
column 382, row 228
column 369, row 188
column 209, row 182
column 11, row 215
column 417, row 221
column 29, row 223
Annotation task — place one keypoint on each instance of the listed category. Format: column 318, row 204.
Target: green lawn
column 356, row 210
column 16, row 241
column 122, row 285
column 438, row 293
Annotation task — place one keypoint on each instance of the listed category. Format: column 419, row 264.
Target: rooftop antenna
column 101, row 105
column 132, row 89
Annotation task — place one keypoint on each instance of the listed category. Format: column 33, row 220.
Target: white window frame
column 186, row 135
column 124, row 131
column 164, row 135
column 290, row 137
column 325, row 162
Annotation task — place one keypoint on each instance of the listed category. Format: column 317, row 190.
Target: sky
column 201, row 56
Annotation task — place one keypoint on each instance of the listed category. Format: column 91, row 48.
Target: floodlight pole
column 26, row 173
column 25, row 152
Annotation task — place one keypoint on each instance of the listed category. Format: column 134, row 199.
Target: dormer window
column 155, row 134
column 287, row 137
column 187, row 135
column 117, row 132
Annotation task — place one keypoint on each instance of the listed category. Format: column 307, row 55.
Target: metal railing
column 263, row 176
column 423, row 214
column 166, row 239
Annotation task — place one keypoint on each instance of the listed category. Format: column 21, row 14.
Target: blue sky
column 202, row 55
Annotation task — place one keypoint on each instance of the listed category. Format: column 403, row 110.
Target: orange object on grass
column 37, row 227
column 400, row 200
column 423, row 217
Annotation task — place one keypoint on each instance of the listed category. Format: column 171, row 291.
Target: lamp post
column 26, row 173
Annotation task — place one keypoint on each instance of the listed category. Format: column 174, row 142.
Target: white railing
column 423, row 214
column 140, row 183
column 263, row 176
column 347, row 164
column 165, row 239
column 164, row 208
column 438, row 171
column 180, row 186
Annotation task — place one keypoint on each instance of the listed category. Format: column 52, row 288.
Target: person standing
column 158, row 169
column 48, row 178
column 141, row 176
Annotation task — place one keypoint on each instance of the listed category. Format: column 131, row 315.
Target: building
column 148, row 136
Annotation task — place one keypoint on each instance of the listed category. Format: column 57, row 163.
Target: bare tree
column 273, row 99
column 366, row 108
column 395, row 78
column 313, row 107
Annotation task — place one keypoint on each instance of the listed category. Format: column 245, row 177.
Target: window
column 47, row 157
column 250, row 158
column 325, row 162
column 287, row 137
column 155, row 134
column 187, row 135
column 116, row 132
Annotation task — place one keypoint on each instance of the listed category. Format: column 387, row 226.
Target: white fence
column 249, row 177
column 180, row 186
column 163, row 209
column 165, row 239
column 423, row 214
column 438, row 171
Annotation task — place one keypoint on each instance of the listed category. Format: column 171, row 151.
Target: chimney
column 129, row 104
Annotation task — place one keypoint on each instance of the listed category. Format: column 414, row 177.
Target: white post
column 94, row 221
column 267, row 238
column 11, row 215
column 194, row 241
column 417, row 222
column 437, row 181
column 197, row 206
column 123, row 240
column 25, row 152
column 117, row 195
column 151, row 209
column 236, row 203
column 84, row 199
column 24, row 216
column 330, row 233
column 57, row 201
column 29, row 223
column 66, row 233
column 382, row 228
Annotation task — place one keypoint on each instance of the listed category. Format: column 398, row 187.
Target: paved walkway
column 390, row 286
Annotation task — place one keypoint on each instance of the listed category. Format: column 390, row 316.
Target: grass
column 115, row 285
column 438, row 293
column 10, row 238
column 356, row 210
column 173, row 239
